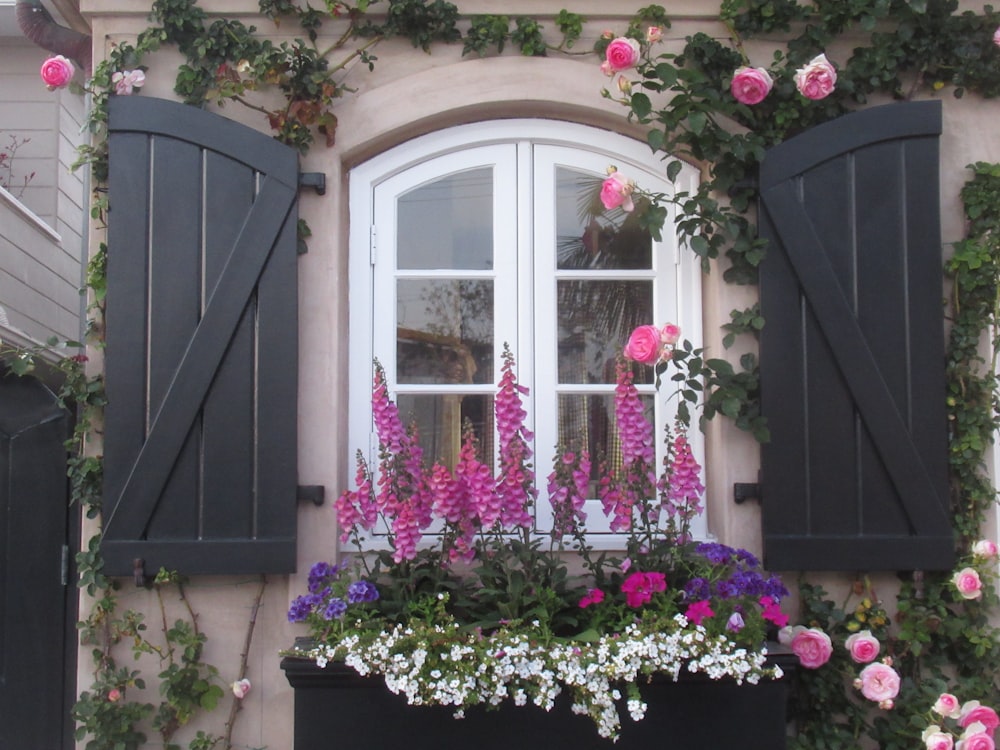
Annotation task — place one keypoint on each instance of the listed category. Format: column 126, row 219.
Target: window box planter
column 334, row 705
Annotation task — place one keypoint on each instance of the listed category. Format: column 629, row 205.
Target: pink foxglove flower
column 968, row 583
column 241, row 688
column 616, row 191
column 817, row 79
column 126, row 82
column 879, row 683
column 751, row 85
column 621, row 54
column 947, row 705
column 863, row 646
column 57, row 72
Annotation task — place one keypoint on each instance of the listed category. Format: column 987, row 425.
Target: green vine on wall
column 898, row 49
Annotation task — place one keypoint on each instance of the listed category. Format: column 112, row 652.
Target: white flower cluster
column 443, row 665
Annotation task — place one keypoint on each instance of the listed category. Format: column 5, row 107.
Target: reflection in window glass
column 439, row 419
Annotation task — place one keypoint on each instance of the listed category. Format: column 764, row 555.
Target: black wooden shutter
column 852, row 353
column 201, row 357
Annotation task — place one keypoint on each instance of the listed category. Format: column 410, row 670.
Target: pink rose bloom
column 751, row 85
column 622, row 53
column 57, row 72
column 616, row 191
column 114, row 695
column 968, row 584
column 974, row 712
column 698, row 611
column 817, row 79
column 879, row 682
column 985, row 548
column 947, row 705
column 654, row 34
column 644, row 345
column 864, row 647
column 670, row 334
column 935, row 739
column 594, row 596
column 812, row 646
column 974, row 738
column 127, row 81
column 996, row 37
column 241, row 688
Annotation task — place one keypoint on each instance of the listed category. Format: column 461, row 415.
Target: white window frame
column 534, row 143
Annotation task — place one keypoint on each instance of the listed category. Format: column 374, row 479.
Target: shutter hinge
column 743, row 491
column 315, row 180
column 64, row 566
column 372, row 244
column 314, row 493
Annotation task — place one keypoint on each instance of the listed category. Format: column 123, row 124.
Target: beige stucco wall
column 411, row 93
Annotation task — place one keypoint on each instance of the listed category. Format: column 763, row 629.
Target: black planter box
column 337, row 708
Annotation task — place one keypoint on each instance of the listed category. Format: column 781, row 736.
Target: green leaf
column 641, row 105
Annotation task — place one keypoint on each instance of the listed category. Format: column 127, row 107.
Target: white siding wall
column 41, row 227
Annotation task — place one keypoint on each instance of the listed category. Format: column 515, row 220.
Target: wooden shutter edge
column 149, row 115
column 866, row 553
column 831, row 139
column 200, row 557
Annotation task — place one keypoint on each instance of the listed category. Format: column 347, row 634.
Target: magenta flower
column 751, row 85
column 771, row 611
column 621, row 54
column 594, row 596
column 640, row 587
column 644, row 345
column 698, row 611
column 515, row 485
column 685, row 489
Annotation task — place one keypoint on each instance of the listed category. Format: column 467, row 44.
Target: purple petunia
column 334, row 609
column 302, row 607
column 361, row 591
column 320, row 574
column 697, row 589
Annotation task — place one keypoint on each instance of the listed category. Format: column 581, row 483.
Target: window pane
column 447, row 223
column 587, row 422
column 587, row 236
column 439, row 419
column 595, row 319
column 444, row 331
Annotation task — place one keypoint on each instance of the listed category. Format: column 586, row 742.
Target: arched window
column 491, row 235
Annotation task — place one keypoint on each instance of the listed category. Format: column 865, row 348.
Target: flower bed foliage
column 938, row 637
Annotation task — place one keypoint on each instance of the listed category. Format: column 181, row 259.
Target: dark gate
column 36, row 659
column 852, row 353
column 202, row 350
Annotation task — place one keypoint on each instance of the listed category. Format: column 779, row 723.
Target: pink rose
column 968, row 584
column 947, row 705
column 974, row 738
column 644, row 345
column 114, row 695
column 879, row 682
column 996, row 37
column 812, row 646
column 985, row 548
column 127, row 81
column 817, row 79
column 241, row 688
column 622, row 53
column 935, row 739
column 670, row 334
column 864, row 647
column 616, row 191
column 974, row 712
column 654, row 34
column 57, row 72
column 751, row 85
